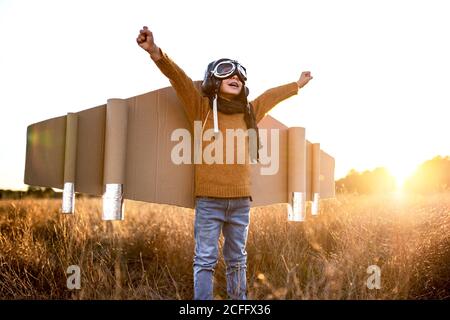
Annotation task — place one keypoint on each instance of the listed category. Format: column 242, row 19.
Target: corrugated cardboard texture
column 115, row 141
column 296, row 160
column 309, row 161
column 44, row 164
column 70, row 155
column 327, row 183
column 129, row 141
column 315, row 169
column 270, row 189
column 151, row 175
column 90, row 150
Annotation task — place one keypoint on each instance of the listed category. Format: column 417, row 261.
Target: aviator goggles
column 228, row 68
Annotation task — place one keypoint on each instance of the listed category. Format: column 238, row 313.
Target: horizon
column 399, row 183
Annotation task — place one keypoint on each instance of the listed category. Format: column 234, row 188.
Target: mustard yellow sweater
column 222, row 180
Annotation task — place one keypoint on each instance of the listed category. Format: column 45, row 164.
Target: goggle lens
column 242, row 71
column 224, row 69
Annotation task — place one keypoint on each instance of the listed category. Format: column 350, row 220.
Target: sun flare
column 401, row 173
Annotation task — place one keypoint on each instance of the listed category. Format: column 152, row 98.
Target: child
column 222, row 190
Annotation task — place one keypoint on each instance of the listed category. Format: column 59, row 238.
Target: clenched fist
column 304, row 79
column 146, row 41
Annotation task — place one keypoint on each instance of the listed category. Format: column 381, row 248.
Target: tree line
column 35, row 192
column 430, row 177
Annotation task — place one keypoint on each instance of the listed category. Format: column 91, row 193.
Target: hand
column 304, row 79
column 146, row 41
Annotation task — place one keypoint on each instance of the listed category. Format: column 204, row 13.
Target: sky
column 381, row 68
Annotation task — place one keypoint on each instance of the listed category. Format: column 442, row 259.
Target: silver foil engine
column 297, row 208
column 315, row 205
column 68, row 198
column 113, row 208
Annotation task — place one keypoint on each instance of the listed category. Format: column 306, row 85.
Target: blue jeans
column 213, row 215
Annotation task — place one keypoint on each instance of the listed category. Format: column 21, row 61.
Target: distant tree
column 10, row 194
column 378, row 180
column 35, row 192
column 431, row 176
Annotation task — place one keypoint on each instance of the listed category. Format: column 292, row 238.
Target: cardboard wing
column 303, row 167
column 128, row 142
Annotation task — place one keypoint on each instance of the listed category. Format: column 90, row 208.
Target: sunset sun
column 401, row 172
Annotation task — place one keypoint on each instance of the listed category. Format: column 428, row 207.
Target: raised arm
column 183, row 85
column 270, row 98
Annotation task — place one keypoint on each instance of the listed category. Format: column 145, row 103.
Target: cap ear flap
column 208, row 81
column 246, row 91
column 209, row 86
column 206, row 84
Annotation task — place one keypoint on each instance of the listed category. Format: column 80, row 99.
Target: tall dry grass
column 149, row 255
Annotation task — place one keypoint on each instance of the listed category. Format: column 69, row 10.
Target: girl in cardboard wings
column 222, row 188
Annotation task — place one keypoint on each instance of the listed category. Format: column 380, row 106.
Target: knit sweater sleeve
column 183, row 85
column 271, row 98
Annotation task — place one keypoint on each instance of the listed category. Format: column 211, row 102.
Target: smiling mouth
column 233, row 84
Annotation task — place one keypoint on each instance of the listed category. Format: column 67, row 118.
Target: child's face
column 231, row 87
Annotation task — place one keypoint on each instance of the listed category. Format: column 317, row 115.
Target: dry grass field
column 149, row 254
